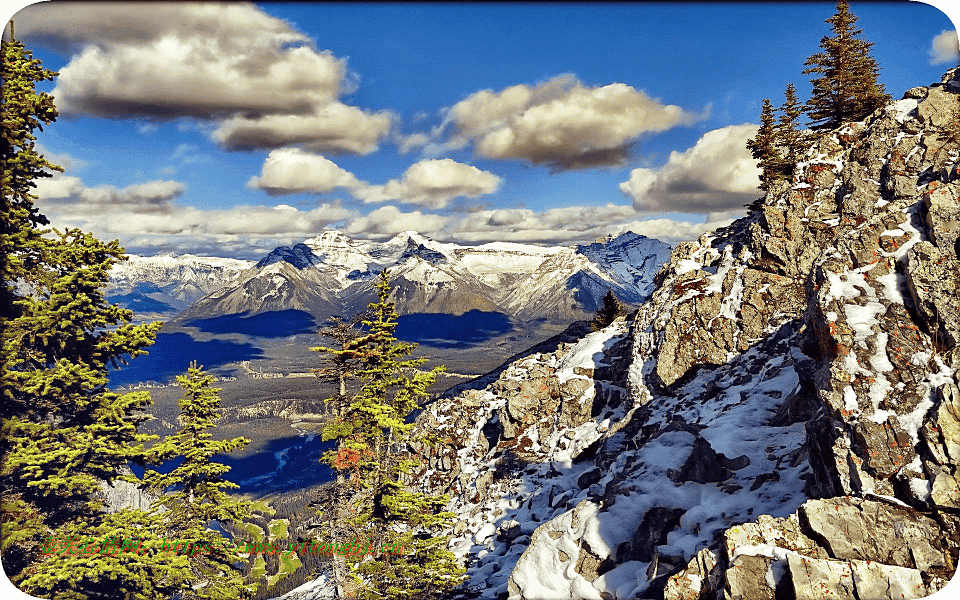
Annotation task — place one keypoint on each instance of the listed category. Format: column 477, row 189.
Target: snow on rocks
column 793, row 378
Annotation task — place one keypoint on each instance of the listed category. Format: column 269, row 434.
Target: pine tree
column 764, row 148
column 788, row 135
column 193, row 492
column 370, row 433
column 63, row 433
column 846, row 88
column 608, row 312
column 338, row 365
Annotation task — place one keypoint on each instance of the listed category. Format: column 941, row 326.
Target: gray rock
column 747, row 579
column 699, row 580
column 867, row 530
column 589, row 478
column 943, row 216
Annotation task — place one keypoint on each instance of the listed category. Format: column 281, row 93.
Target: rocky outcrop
column 780, row 420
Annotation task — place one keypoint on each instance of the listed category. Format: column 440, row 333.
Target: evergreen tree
column 338, row 365
column 788, row 135
column 193, row 492
column 63, row 434
column 764, row 148
column 846, row 88
column 607, row 313
column 370, row 433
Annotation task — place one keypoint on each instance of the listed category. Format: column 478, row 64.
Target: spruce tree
column 338, row 364
column 63, row 433
column 764, row 148
column 846, row 88
column 788, row 135
column 372, row 434
column 608, row 312
column 193, row 492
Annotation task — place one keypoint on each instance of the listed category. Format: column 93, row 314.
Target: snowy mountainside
column 781, row 419
column 333, row 274
column 165, row 284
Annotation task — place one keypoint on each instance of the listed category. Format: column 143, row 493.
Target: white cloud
column 945, row 48
column 434, row 183
column 560, row 123
column 390, row 220
column 207, row 61
column 431, row 183
column 291, row 170
column 716, row 174
column 146, row 217
column 71, row 194
column 333, row 127
column 572, row 224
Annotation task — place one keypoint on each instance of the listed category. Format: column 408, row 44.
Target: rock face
column 780, row 420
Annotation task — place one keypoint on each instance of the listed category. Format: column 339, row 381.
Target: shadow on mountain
column 141, row 303
column 440, row 330
column 262, row 472
column 171, row 356
column 273, row 324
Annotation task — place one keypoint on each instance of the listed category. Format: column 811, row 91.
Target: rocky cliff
column 780, row 420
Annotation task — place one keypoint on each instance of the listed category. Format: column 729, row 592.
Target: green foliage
column 607, row 313
column 764, row 148
column 779, row 144
column 338, row 365
column 63, row 434
column 142, row 570
column 846, row 88
column 24, row 110
column 370, row 432
column 193, row 492
column 788, row 134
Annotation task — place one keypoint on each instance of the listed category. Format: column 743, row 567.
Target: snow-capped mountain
column 333, row 274
column 163, row 285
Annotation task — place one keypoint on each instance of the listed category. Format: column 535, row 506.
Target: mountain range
column 331, row 274
column 163, row 285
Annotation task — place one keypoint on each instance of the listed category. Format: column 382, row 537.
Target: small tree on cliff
column 846, row 88
column 608, row 312
column 764, row 148
column 372, row 435
column 788, row 135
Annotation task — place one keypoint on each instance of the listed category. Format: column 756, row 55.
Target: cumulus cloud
column 431, row 183
column 434, row 183
column 573, row 224
column 333, row 127
column 209, row 61
column 390, row 220
column 716, row 174
column 945, row 48
column 148, row 218
column 291, row 170
column 560, row 123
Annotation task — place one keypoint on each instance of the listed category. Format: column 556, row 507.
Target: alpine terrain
column 332, row 274
column 781, row 419
column 163, row 285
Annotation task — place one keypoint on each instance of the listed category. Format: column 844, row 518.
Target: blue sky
column 229, row 130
